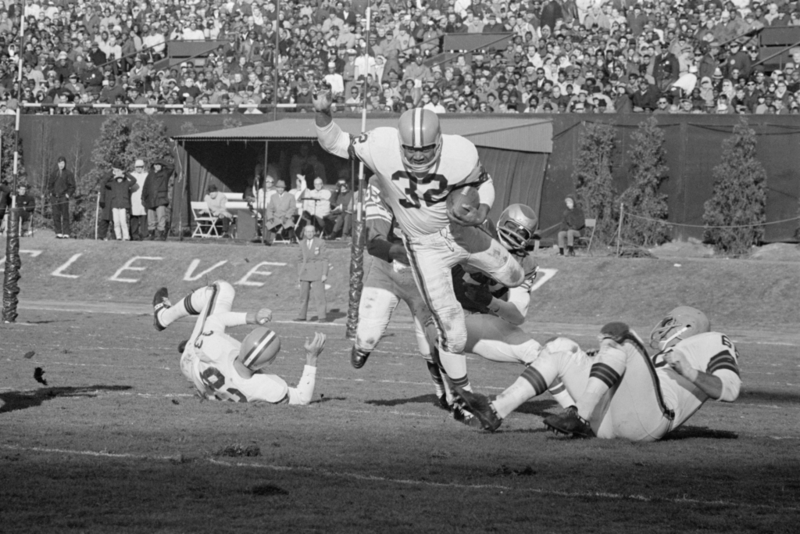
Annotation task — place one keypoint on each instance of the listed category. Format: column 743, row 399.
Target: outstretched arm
column 305, row 388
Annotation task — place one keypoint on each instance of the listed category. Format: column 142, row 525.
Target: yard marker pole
column 13, row 262
column 619, row 227
column 359, row 230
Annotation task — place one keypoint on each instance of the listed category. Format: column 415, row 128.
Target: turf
column 590, row 290
column 116, row 442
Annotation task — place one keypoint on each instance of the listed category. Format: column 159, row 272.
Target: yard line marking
column 401, row 481
column 384, row 381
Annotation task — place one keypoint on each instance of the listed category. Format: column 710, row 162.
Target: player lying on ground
column 217, row 364
column 416, row 168
column 622, row 392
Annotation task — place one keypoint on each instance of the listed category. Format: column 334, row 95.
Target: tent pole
column 186, row 191
column 263, row 209
column 275, row 61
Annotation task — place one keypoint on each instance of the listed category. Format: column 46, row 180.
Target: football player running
column 218, row 365
column 388, row 281
column 416, row 168
column 624, row 393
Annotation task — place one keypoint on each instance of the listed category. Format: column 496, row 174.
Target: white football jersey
column 417, row 203
column 214, row 376
column 711, row 353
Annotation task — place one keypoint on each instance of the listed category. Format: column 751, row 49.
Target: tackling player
column 218, row 365
column 495, row 312
column 416, row 168
column 624, row 393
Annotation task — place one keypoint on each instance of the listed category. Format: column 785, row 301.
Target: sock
column 561, row 395
column 605, row 374
column 436, row 377
column 189, row 305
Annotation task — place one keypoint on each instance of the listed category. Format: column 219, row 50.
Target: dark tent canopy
column 513, row 150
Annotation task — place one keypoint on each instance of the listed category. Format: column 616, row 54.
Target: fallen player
column 218, row 365
column 624, row 393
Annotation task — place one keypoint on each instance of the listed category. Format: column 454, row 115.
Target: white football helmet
column 420, row 139
column 516, row 227
column 681, row 323
column 259, row 348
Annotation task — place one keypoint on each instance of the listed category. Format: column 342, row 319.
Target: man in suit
column 312, row 272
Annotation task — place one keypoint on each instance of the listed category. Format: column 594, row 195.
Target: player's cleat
column 479, row 406
column 569, row 423
column 441, row 402
column 160, row 302
column 358, row 357
column 461, row 415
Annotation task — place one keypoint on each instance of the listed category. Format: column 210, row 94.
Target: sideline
column 401, row 321
column 179, row 458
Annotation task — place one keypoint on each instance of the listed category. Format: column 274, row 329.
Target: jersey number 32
column 431, row 189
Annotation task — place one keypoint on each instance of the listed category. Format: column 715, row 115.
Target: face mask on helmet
column 420, row 139
column 517, row 226
column 681, row 323
column 259, row 348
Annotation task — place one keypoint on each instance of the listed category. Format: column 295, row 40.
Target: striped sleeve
column 722, row 361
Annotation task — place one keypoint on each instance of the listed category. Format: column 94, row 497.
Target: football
column 462, row 201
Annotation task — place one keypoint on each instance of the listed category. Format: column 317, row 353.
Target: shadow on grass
column 691, row 432
column 20, row 400
column 542, row 408
column 420, row 399
column 753, row 396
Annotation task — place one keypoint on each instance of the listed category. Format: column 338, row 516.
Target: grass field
column 117, row 442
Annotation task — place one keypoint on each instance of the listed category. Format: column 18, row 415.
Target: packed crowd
column 603, row 56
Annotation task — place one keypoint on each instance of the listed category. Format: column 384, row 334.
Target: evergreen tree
column 593, row 179
column 648, row 171
column 739, row 197
column 148, row 141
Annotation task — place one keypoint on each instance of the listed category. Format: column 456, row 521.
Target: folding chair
column 590, row 223
column 205, row 223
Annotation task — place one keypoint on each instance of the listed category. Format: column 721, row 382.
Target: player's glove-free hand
column 322, row 98
column 677, row 360
column 263, row 316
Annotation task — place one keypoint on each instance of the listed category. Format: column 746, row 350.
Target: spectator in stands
column 572, row 223
column 216, row 203
column 61, row 186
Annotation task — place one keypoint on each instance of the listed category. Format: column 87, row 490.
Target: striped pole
column 13, row 262
column 358, row 242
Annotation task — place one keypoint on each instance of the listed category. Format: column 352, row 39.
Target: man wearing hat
column 155, row 198
column 737, row 60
